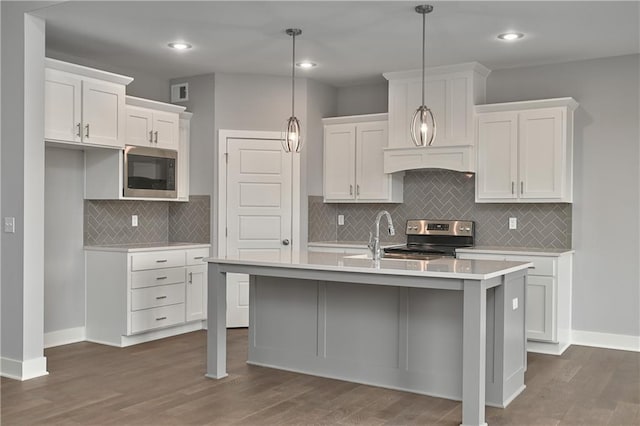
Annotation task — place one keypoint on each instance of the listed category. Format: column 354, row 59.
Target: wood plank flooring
column 163, row 383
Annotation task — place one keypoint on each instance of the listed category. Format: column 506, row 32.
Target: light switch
column 513, row 223
column 134, row 220
column 10, row 224
column 340, row 219
column 514, row 302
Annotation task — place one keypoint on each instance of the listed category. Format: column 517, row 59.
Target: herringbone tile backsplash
column 108, row 222
column 445, row 194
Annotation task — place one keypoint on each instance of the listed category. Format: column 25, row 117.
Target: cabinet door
column 541, row 149
column 372, row 184
column 339, row 162
column 496, row 174
column 540, row 308
column 165, row 130
column 103, row 113
column 62, row 103
column 196, row 297
column 139, row 126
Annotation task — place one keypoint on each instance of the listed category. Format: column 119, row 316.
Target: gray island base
column 448, row 328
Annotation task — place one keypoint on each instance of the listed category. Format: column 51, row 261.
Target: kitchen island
column 449, row 328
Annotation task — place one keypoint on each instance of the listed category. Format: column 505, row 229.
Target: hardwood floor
column 163, row 383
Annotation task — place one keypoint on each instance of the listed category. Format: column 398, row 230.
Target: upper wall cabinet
column 152, row 124
column 84, row 105
column 353, row 161
column 525, row 151
column 451, row 92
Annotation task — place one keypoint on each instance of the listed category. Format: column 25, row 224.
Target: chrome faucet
column 374, row 243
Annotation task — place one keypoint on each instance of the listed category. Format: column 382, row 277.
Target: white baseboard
column 605, row 340
column 23, row 370
column 65, row 337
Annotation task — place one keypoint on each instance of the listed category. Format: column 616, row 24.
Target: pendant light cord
column 424, row 16
column 293, row 77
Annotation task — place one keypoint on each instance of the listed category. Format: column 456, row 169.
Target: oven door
column 150, row 172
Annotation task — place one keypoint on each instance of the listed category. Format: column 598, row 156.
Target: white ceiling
column 352, row 42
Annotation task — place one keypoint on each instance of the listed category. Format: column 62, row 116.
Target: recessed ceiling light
column 179, row 45
column 510, row 36
column 306, row 65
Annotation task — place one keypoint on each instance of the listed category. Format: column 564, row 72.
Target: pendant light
column 423, row 124
column 292, row 139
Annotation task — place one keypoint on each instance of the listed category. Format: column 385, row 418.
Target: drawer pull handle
column 198, row 257
column 161, row 318
column 160, row 297
column 161, row 261
column 161, row 278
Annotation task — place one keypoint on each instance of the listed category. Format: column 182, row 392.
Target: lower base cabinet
column 548, row 298
column 133, row 297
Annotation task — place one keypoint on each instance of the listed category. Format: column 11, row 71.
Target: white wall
column 22, row 190
column 144, row 85
column 363, row 99
column 64, row 289
column 606, row 181
column 321, row 103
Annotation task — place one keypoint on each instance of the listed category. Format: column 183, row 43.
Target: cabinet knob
column 79, row 130
column 156, row 134
column 86, row 131
column 521, row 187
column 358, row 190
column 151, row 136
column 285, row 242
column 350, row 189
column 513, row 186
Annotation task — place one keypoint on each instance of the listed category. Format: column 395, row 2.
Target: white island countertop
column 518, row 251
column 437, row 268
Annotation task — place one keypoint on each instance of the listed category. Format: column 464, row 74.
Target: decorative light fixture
column 179, row 45
column 292, row 138
column 510, row 36
column 423, row 124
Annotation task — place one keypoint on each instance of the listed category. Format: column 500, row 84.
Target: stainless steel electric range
column 432, row 239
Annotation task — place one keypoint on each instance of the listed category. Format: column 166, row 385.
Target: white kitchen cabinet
column 451, row 93
column 137, row 296
column 184, row 154
column 354, row 161
column 548, row 304
column 83, row 105
column 525, row 151
column 152, row 124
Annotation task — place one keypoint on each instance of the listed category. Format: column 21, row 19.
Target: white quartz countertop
column 437, row 268
column 132, row 248
column 528, row 251
column 347, row 244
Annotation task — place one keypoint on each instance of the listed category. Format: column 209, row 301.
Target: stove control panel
column 440, row 227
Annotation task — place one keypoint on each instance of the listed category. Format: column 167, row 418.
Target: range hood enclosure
column 451, row 93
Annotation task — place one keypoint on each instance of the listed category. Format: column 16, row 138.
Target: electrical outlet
column 340, row 219
column 134, row 220
column 513, row 223
column 514, row 302
column 10, row 224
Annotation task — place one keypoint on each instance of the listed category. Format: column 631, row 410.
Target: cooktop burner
column 431, row 239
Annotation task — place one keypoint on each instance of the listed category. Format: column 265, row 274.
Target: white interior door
column 258, row 216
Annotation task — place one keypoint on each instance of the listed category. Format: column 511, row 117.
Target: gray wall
column 606, row 181
column 363, row 99
column 64, row 305
column 144, row 85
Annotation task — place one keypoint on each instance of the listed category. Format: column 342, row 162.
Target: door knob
column 285, row 242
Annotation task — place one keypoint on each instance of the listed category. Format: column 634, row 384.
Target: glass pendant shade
column 423, row 127
column 291, row 139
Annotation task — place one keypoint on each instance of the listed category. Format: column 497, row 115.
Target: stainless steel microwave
column 150, row 172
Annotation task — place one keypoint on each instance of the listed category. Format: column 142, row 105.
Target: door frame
column 221, row 197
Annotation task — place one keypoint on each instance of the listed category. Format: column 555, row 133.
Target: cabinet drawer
column 163, row 316
column 195, row 256
column 541, row 265
column 155, row 277
column 157, row 259
column 160, row 295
